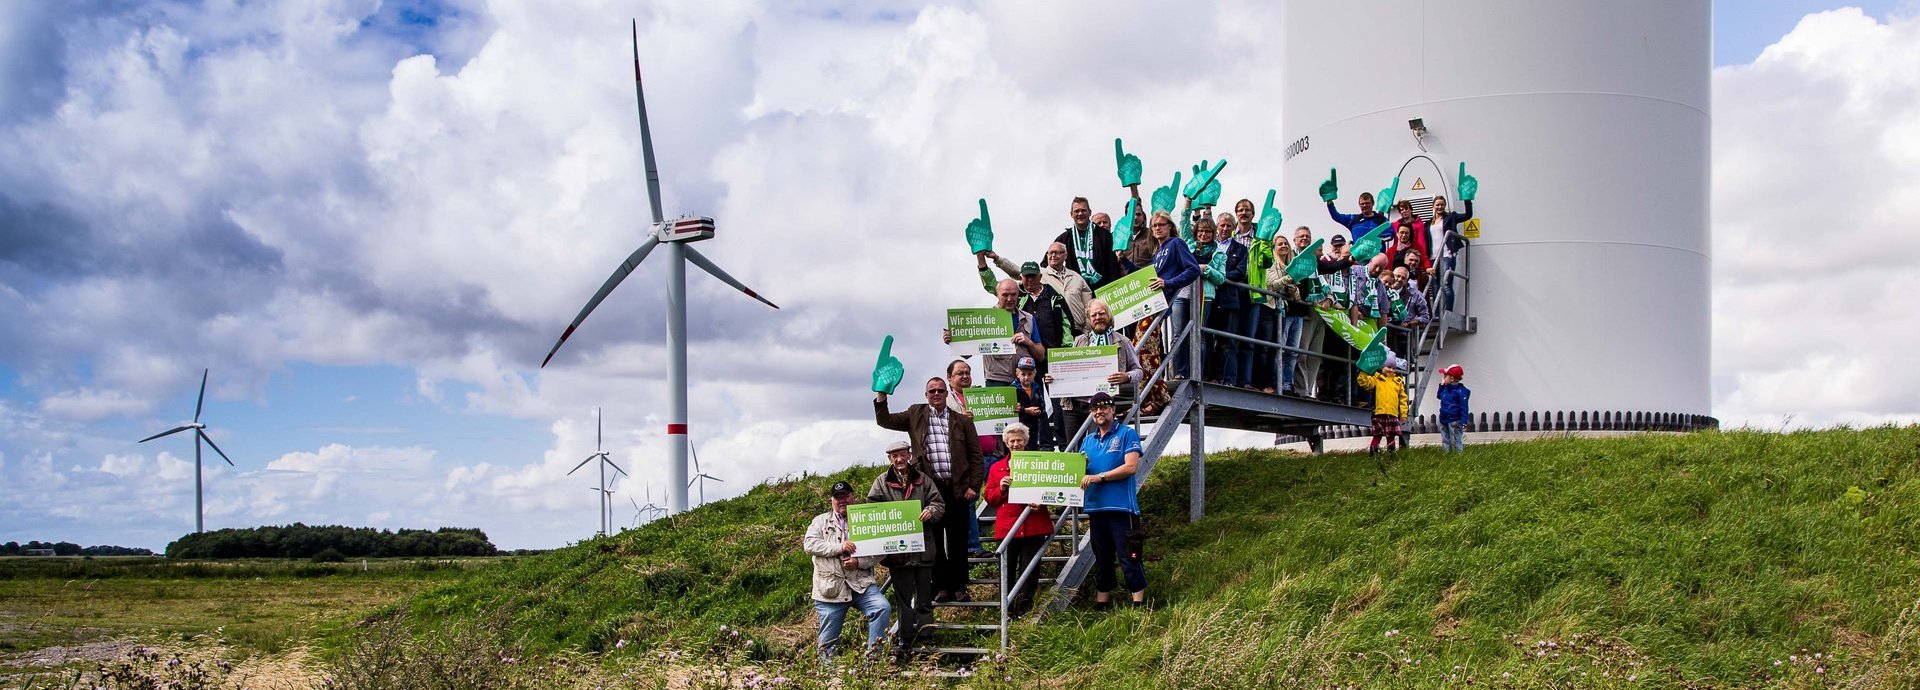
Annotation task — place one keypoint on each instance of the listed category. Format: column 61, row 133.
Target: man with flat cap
column 840, row 580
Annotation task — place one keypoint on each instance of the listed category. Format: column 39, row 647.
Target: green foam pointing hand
column 980, row 231
column 1123, row 227
column 1164, row 196
column 1374, row 355
column 1384, row 200
column 1269, row 224
column 1203, row 177
column 888, row 371
column 1305, row 264
column 1368, row 245
column 1469, row 185
column 1127, row 164
column 1330, row 189
column 1209, row 196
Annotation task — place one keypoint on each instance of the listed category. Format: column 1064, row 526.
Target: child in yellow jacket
column 1390, row 403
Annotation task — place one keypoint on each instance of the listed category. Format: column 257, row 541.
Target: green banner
column 881, row 529
column 1082, row 371
column 980, row 331
column 1133, row 298
column 993, row 408
column 1044, row 478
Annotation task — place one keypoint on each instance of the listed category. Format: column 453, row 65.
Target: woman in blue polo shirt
column 1113, row 455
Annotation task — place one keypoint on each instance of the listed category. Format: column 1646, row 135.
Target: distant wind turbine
column 643, row 514
column 702, row 478
column 677, row 235
column 199, row 434
column 606, row 508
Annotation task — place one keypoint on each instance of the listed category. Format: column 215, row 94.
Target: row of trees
column 67, row 548
column 301, row 541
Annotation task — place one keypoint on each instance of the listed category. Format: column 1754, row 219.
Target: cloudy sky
column 370, row 220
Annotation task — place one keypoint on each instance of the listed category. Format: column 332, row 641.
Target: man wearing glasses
column 946, row 448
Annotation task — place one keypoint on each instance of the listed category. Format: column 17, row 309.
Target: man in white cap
column 906, row 480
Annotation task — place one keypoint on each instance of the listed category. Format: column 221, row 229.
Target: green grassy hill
column 1677, row 561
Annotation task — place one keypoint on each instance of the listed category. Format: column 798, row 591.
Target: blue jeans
column 1225, row 354
column 973, row 527
column 1446, row 287
column 832, row 615
column 1453, row 437
column 1291, row 328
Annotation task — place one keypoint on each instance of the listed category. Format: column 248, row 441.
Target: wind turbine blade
column 626, row 268
column 646, row 132
column 583, row 463
column 203, row 395
column 705, row 265
column 216, row 448
column 174, row 430
column 616, row 467
column 596, row 428
column 717, row 479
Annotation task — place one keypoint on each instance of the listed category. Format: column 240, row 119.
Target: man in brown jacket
column 946, row 448
column 912, row 584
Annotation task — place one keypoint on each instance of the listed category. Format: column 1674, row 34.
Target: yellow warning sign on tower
column 1470, row 229
column 1419, row 184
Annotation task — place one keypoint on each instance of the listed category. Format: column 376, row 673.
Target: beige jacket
column 834, row 583
column 1069, row 284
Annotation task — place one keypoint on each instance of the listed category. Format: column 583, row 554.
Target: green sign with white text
column 1044, row 478
column 1133, row 298
column 993, row 408
column 980, row 331
column 884, row 529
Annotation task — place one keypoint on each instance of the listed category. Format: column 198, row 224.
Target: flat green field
column 252, row 605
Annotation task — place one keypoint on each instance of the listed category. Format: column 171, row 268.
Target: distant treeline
column 67, row 548
column 331, row 542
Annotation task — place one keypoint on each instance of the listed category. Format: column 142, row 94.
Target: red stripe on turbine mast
column 680, row 429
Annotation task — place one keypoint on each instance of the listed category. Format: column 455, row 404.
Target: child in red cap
column 1453, row 409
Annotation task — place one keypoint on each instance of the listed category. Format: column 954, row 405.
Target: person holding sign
column 999, row 368
column 1053, row 274
column 1128, row 373
column 946, row 449
column 1113, row 455
column 905, row 480
column 1031, row 537
column 1447, row 227
column 840, row 579
column 1175, row 271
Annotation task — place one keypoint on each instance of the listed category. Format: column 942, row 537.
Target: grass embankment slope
column 1673, row 560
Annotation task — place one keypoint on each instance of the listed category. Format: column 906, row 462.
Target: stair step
column 1048, row 559
column 996, row 581
column 968, row 604
column 970, row 651
column 961, row 626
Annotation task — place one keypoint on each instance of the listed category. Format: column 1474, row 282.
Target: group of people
column 1205, row 264
column 943, row 465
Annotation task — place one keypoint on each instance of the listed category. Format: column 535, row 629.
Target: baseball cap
column 1454, row 371
column 1338, row 240
column 841, row 488
column 896, row 446
column 1100, row 398
column 1025, row 363
column 1030, row 268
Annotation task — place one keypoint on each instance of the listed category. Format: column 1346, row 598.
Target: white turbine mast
column 678, row 236
column 199, row 435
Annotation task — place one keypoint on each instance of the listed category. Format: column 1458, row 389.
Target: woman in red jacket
column 1032, row 536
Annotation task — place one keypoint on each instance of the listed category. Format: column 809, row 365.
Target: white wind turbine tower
column 606, row 505
column 199, row 434
column 678, row 235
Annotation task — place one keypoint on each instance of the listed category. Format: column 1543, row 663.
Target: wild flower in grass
column 620, row 644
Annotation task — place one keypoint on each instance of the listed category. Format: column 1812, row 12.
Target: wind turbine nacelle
column 685, row 229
